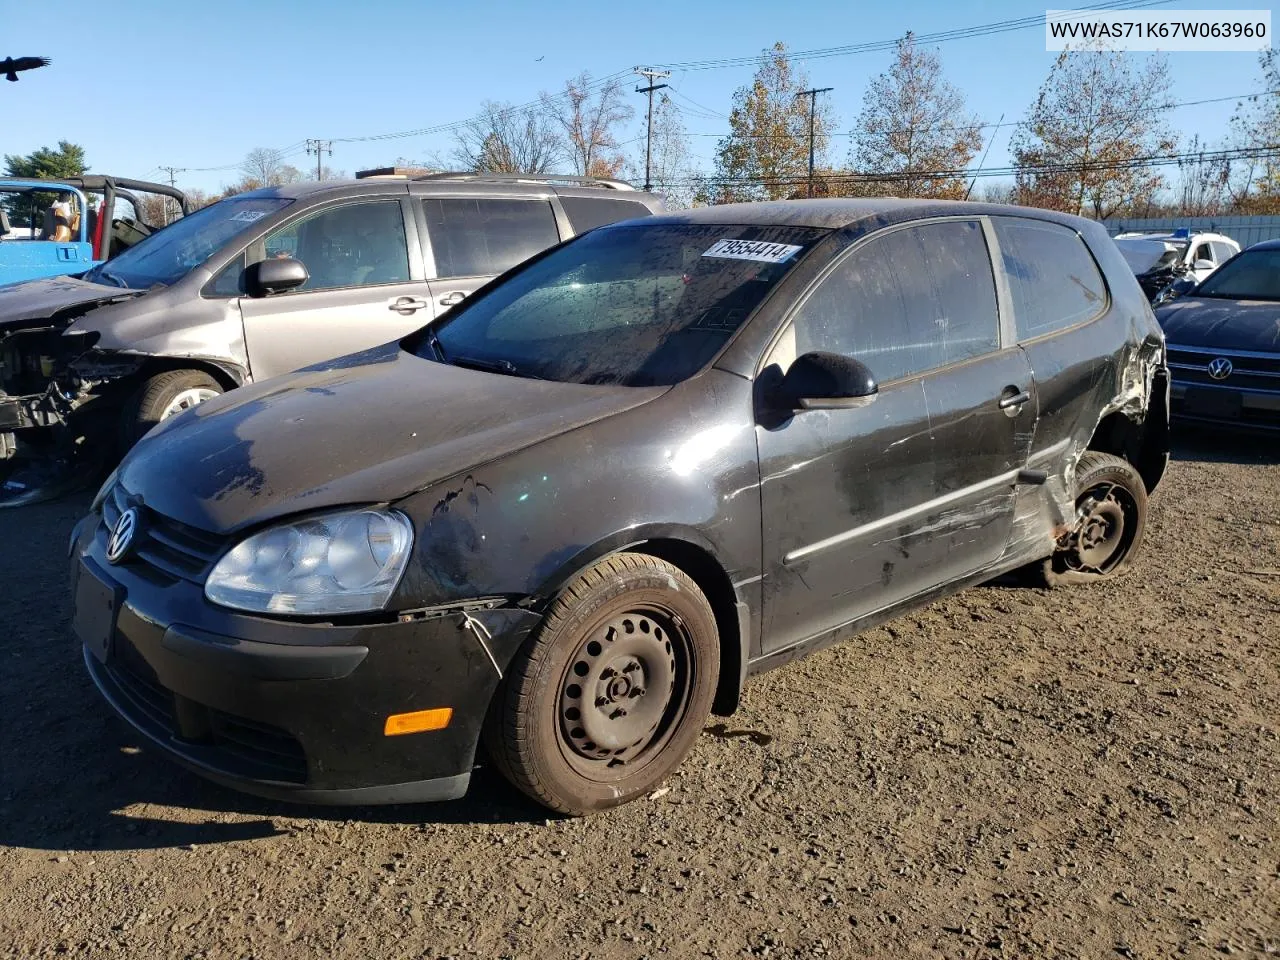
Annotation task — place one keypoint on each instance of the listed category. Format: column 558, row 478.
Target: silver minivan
column 257, row 285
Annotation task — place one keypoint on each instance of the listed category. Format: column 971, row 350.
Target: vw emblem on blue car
column 122, row 536
column 1220, row 368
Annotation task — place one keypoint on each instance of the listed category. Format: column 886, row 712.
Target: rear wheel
column 610, row 694
column 163, row 396
column 1111, row 517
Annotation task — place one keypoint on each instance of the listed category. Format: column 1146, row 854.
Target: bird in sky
column 541, row 58
column 11, row 66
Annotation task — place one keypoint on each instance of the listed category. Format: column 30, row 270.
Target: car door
column 472, row 239
column 867, row 506
column 366, row 286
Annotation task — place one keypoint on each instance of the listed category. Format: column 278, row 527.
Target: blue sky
column 198, row 85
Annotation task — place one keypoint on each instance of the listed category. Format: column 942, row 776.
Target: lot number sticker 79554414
column 752, row 250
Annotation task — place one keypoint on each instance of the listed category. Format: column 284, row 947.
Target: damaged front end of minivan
column 71, row 360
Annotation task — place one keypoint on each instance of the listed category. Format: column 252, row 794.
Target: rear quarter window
column 1053, row 278
column 587, row 213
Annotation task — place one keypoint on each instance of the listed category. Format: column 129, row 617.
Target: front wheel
column 610, row 694
column 163, row 396
column 1111, row 517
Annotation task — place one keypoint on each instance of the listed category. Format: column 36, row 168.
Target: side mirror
column 277, row 275
column 827, row 381
column 1202, row 265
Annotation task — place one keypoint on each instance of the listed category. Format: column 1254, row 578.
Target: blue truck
column 49, row 227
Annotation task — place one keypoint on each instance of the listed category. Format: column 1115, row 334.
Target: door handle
column 1014, row 400
column 449, row 299
column 407, row 305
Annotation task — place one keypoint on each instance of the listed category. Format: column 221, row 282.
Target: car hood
column 21, row 303
column 1222, row 324
column 369, row 428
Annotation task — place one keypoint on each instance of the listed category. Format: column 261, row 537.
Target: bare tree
column 508, row 139
column 1096, row 123
column 1203, row 182
column 589, row 120
column 997, row 191
column 1253, row 180
column 261, row 165
column 767, row 151
column 913, row 124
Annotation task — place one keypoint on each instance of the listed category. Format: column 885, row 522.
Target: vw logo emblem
column 122, row 536
column 1220, row 368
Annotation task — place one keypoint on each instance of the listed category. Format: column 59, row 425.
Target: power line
column 1088, row 166
column 873, row 46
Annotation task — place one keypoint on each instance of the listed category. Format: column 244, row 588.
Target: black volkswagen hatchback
column 570, row 517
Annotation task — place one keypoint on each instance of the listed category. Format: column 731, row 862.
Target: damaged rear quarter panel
column 1083, row 375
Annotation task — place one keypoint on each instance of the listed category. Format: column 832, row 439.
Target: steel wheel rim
column 624, row 691
column 1106, row 523
column 186, row 399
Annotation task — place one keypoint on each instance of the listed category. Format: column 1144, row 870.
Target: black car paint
column 514, row 486
column 1201, row 330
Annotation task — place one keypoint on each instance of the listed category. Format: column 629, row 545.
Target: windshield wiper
column 113, row 278
column 494, row 366
column 434, row 343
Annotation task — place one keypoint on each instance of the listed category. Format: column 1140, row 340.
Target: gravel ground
column 1089, row 772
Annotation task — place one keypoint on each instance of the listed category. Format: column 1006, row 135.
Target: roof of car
column 1266, row 245
column 839, row 213
column 462, row 185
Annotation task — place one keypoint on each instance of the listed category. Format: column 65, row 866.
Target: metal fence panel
column 1245, row 231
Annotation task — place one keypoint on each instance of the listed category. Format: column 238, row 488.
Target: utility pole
column 813, row 108
column 173, row 182
column 651, row 75
column 319, row 148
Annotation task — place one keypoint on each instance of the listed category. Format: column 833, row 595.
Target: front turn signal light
column 419, row 721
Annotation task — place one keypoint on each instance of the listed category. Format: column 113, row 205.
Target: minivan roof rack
column 551, row 178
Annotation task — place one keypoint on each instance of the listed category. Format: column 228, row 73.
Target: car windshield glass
column 169, row 255
column 1253, row 275
column 632, row 305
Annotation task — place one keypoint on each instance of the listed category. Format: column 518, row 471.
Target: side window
column 906, row 302
column 354, row 245
column 587, row 213
column 1202, row 253
column 484, row 237
column 1224, row 252
column 230, row 280
column 1052, row 276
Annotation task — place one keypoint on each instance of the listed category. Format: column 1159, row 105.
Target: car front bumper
column 286, row 709
column 1226, row 404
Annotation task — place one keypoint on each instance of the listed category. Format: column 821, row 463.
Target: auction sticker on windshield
column 759, row 250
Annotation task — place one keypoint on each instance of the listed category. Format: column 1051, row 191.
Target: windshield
column 633, row 305
column 1145, row 255
column 170, row 254
column 1252, row 275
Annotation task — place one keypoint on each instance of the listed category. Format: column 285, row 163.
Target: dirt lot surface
column 1011, row 772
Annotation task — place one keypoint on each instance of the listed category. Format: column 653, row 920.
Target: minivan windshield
column 169, row 255
column 632, row 305
column 1252, row 275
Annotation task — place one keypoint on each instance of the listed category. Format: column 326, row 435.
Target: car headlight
column 348, row 561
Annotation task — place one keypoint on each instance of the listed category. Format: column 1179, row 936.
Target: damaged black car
column 570, row 518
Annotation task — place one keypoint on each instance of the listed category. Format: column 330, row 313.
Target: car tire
column 609, row 694
column 162, row 396
column 1111, row 511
